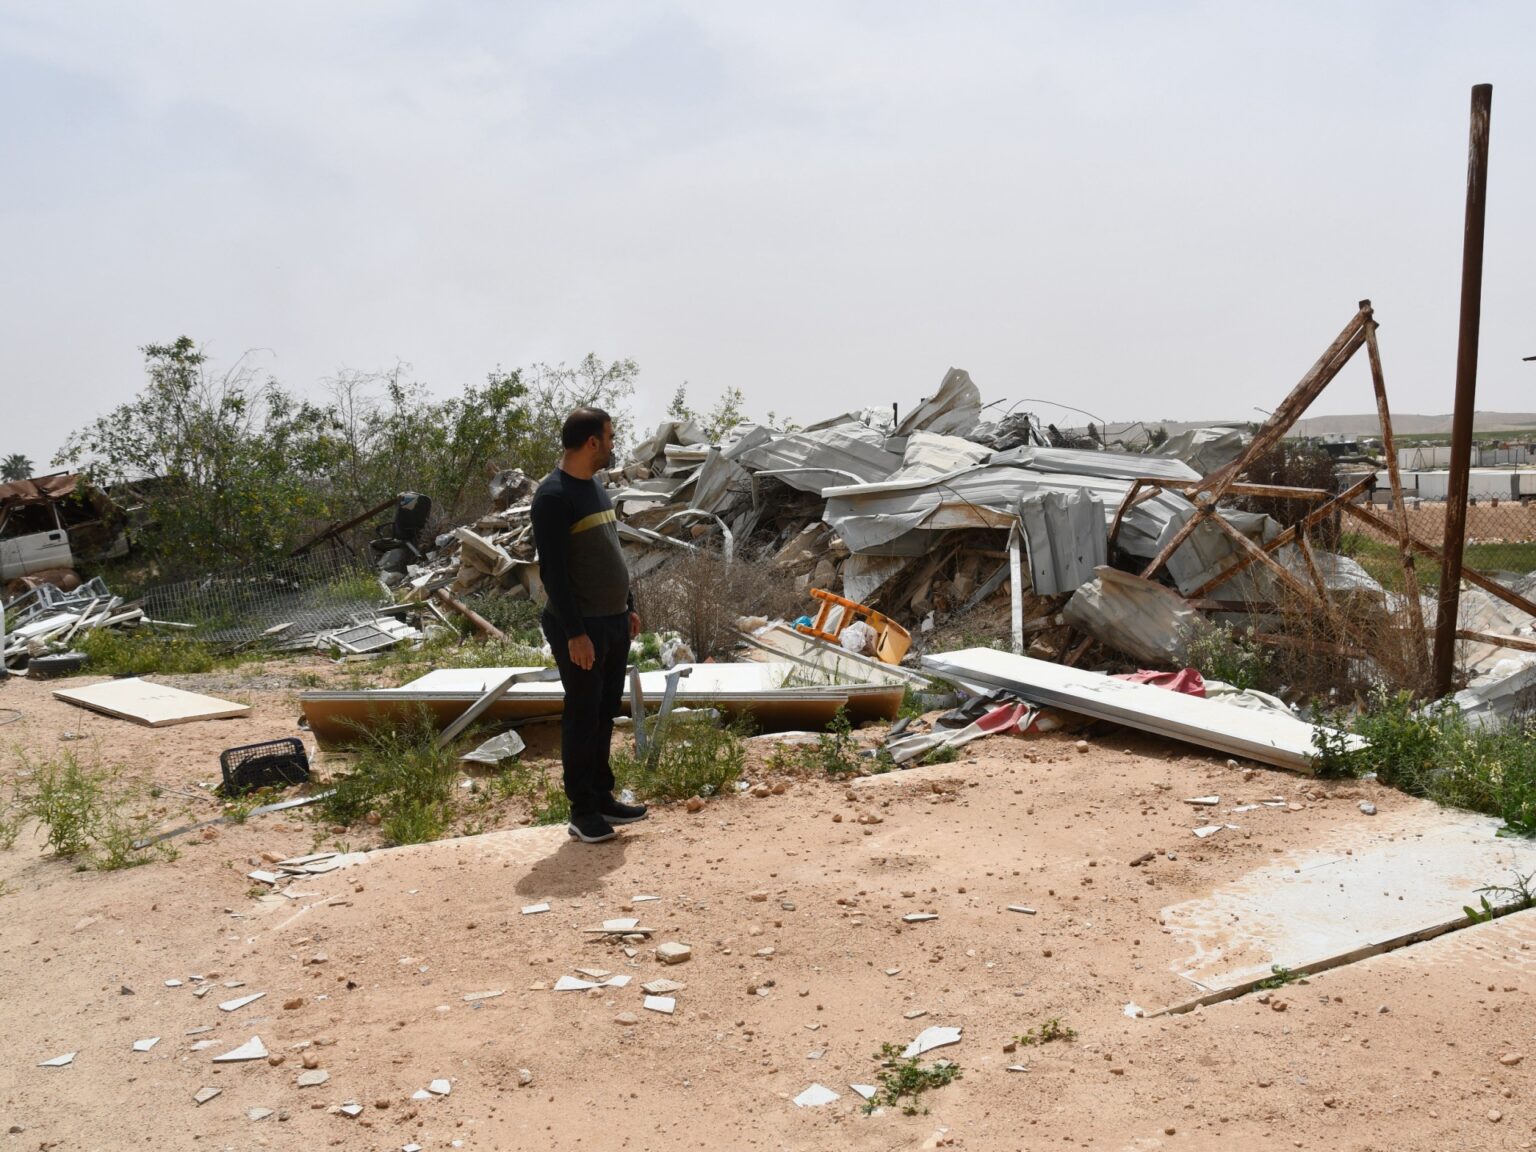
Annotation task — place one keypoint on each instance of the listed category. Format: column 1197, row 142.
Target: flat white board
column 1267, row 737
column 154, row 705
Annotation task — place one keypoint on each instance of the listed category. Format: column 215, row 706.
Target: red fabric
column 1007, row 718
column 1185, row 680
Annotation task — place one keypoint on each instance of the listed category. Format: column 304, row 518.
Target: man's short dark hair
column 581, row 425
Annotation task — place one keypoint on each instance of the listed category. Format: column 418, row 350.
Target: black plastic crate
column 272, row 763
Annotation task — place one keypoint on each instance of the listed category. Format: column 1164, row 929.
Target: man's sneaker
column 617, row 812
column 590, row 829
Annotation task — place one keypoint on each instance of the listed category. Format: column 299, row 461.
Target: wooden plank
column 1522, row 643
column 150, row 704
column 1389, row 446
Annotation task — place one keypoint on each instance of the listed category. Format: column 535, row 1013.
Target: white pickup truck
column 35, row 551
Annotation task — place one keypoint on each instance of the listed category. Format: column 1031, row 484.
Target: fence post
column 1466, row 387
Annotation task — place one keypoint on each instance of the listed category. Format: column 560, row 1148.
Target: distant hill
column 1404, row 424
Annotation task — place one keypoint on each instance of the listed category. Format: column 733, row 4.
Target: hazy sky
column 1141, row 209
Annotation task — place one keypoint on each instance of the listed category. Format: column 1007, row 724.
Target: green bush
column 903, row 1080
column 697, row 758
column 85, row 813
column 1228, row 654
column 400, row 776
column 1436, row 754
column 111, row 653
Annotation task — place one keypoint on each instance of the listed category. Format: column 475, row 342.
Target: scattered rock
column 627, row 1019
column 1494, row 1115
column 311, row 1060
column 1510, row 1059
column 524, row 1077
column 313, row 1079
column 695, row 804
column 673, row 953
column 1082, row 745
column 295, row 1003
column 1367, row 807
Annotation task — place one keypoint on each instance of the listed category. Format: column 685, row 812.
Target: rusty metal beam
column 1466, row 386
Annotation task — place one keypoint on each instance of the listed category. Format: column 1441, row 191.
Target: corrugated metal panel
column 1066, row 538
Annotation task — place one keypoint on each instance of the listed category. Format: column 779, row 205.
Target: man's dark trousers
column 592, row 697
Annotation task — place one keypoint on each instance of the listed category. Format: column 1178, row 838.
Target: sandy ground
column 801, row 968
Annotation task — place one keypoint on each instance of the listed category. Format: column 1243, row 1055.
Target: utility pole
column 1466, row 387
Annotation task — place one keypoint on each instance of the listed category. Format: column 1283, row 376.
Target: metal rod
column 1466, row 386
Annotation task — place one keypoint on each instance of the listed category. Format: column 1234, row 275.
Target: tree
column 15, row 467
column 678, row 409
column 239, row 464
column 553, row 390
column 725, row 415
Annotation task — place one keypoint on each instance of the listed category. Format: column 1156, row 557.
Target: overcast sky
column 1142, row 209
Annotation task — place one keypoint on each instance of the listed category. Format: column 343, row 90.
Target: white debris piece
column 232, row 1005
column 815, row 1096
column 642, row 899
column 930, row 1038
column 471, row 997
column 173, row 983
column 572, row 984
column 1204, row 801
column 662, row 987
column 258, row 1113
column 145, row 1045
column 664, row 1004
column 262, row 877
column 313, row 1078
column 673, row 953
column 532, row 909
column 1208, row 830
column 865, row 1090
column 1021, row 908
column 252, row 1049
column 63, row 1061
column 352, row 1108
column 440, row 1087
column 1134, row 1010
column 206, row 1094
column 919, row 917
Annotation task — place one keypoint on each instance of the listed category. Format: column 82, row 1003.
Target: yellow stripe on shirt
column 593, row 521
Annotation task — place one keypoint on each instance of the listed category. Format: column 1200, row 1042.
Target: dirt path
column 801, row 968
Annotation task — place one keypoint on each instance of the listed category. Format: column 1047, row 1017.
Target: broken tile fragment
column 63, row 1061
column 815, row 1096
column 662, row 987
column 930, row 1038
column 206, row 1094
column 919, row 917
column 865, row 1090
column 145, row 1045
column 471, row 997
column 534, row 909
column 673, row 953
column 313, row 1078
column 241, row 1002
column 352, row 1109
column 1021, row 908
column 252, row 1049
column 440, row 1087
column 663, row 1004
column 258, row 1113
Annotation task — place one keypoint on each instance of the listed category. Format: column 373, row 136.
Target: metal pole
column 1466, row 387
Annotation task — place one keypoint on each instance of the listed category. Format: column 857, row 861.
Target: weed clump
column 112, row 653
column 696, row 758
column 1049, row 1030
column 903, row 1080
column 86, row 815
column 1228, row 654
column 400, row 780
column 1438, row 754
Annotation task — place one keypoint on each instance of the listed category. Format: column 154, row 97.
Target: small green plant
column 943, row 754
column 1049, row 1030
column 903, row 1080
column 10, row 826
column 1515, row 897
column 1330, row 736
column 1224, row 653
column 113, row 653
column 553, row 807
column 401, row 777
column 1282, row 976
column 696, row 758
column 836, row 747
column 87, row 815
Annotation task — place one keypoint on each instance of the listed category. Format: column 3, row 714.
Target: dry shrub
column 699, row 595
column 1359, row 644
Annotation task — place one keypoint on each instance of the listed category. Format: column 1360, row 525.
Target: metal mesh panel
column 309, row 593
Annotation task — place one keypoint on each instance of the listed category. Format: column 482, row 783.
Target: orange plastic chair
column 892, row 639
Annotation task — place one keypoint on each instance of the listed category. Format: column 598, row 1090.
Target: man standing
column 589, row 619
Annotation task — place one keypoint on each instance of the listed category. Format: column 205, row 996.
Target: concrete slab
column 1394, row 876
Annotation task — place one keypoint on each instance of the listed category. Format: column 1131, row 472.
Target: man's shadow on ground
column 574, row 868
